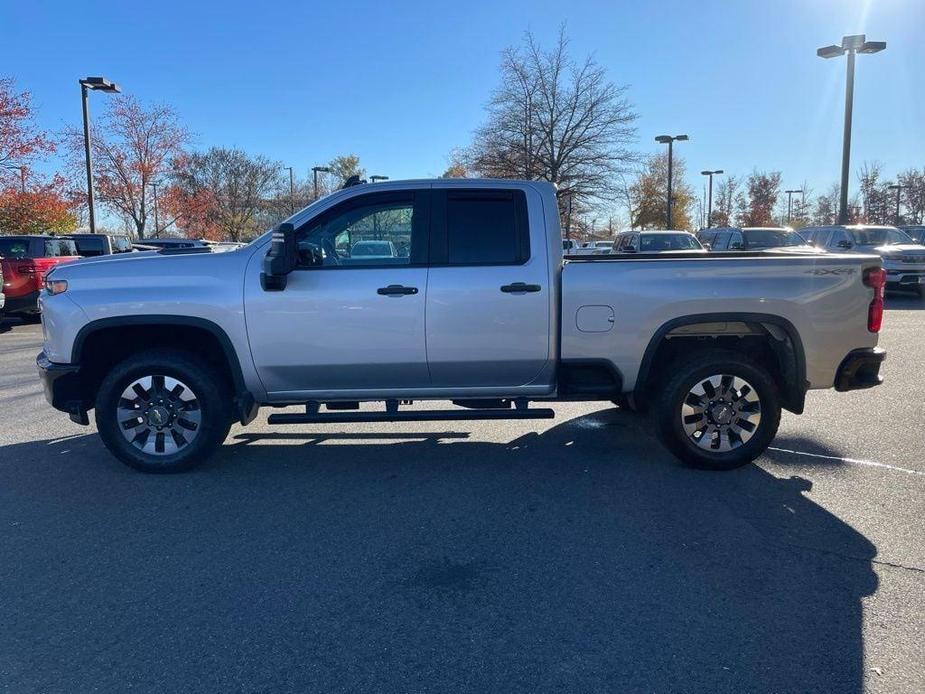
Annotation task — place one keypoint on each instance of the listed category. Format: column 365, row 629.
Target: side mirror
column 629, row 249
column 706, row 246
column 737, row 246
column 844, row 244
column 281, row 259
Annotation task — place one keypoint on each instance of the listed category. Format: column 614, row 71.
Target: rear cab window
column 90, row 247
column 121, row 244
column 57, row 248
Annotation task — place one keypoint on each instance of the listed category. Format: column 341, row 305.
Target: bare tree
column 556, row 120
column 221, row 193
column 913, row 195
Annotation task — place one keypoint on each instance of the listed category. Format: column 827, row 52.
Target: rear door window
column 736, row 241
column 721, row 241
column 481, row 227
column 839, row 236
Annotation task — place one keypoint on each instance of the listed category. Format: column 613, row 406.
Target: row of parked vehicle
column 901, row 248
column 26, row 259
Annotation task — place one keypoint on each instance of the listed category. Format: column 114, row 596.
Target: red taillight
column 875, row 278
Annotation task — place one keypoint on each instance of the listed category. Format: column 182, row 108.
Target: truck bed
column 613, row 307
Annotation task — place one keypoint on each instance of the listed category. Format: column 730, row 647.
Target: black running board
column 410, row 416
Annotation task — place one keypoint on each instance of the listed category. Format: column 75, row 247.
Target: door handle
column 396, row 290
column 520, row 288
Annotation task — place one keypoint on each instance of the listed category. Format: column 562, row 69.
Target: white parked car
column 657, row 241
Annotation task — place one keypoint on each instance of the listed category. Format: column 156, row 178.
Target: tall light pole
column 22, row 174
column 669, row 140
column 315, row 171
column 710, row 197
column 291, row 191
column 850, row 45
column 157, row 232
column 373, row 179
column 790, row 202
column 898, row 187
column 97, row 84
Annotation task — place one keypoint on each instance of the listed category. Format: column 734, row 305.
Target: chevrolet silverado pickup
column 473, row 304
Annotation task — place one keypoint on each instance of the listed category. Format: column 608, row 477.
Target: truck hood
column 148, row 265
column 897, row 251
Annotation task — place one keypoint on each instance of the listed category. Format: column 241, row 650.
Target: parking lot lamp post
column 710, row 196
column 669, row 140
column 157, row 226
column 790, row 202
column 850, row 45
column 97, row 84
column 315, row 171
column 898, row 188
column 22, row 174
column 291, row 191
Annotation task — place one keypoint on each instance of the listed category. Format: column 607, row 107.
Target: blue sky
column 402, row 83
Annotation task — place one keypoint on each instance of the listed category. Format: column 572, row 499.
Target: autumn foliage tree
column 762, row 190
column 40, row 208
column 20, row 140
column 649, row 195
column 133, row 146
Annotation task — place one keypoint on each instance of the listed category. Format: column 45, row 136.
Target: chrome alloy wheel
column 159, row 415
column 721, row 413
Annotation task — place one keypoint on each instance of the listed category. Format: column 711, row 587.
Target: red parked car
column 24, row 261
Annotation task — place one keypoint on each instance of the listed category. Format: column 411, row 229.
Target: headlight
column 55, row 286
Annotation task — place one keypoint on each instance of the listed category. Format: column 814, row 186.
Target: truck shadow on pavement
column 583, row 558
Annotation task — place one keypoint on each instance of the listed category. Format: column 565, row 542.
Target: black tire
column 212, row 399
column 693, row 371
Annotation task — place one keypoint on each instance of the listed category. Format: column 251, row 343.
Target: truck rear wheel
column 163, row 411
column 718, row 410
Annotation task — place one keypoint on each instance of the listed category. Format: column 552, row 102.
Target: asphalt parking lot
column 571, row 555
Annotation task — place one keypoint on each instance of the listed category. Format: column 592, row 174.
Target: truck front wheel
column 163, row 411
column 718, row 410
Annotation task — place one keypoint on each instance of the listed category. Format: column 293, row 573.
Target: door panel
column 478, row 334
column 333, row 330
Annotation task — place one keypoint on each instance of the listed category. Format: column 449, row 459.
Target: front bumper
column 61, row 383
column 860, row 369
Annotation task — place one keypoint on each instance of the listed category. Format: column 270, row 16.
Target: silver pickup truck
column 471, row 303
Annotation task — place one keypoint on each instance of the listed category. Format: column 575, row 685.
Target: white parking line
column 870, row 463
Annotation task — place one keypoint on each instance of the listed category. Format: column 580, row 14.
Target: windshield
column 879, row 236
column 918, row 235
column 772, row 238
column 651, row 243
